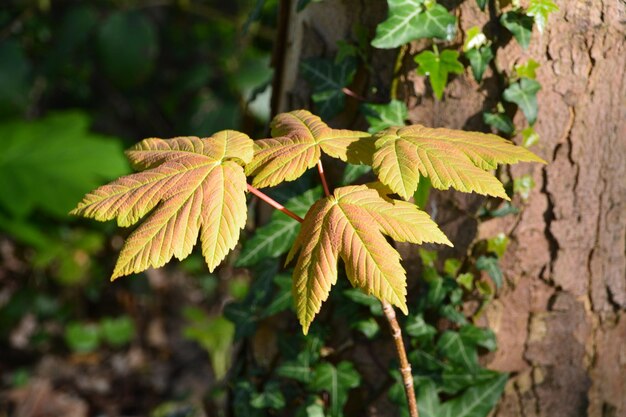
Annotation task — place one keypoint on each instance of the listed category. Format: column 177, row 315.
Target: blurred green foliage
column 80, row 81
column 126, row 69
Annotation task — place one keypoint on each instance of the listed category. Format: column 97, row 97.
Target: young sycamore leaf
column 437, row 67
column 524, row 94
column 450, row 158
column 540, row 10
column 408, row 21
column 299, row 138
column 520, row 25
column 195, row 186
column 350, row 225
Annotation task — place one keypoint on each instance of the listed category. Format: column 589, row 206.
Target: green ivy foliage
column 448, row 378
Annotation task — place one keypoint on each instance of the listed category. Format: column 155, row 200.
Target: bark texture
column 561, row 316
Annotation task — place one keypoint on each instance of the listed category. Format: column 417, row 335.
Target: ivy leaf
column 299, row 138
column 428, row 400
column 478, row 336
column 437, row 67
column 382, row 116
column 350, row 225
column 364, row 299
column 477, row 401
column 277, row 236
column 271, row 397
column 529, row 137
column 492, row 267
column 498, row 244
column 453, row 347
column 479, row 59
column 190, row 187
column 523, row 186
column 416, row 327
column 500, row 121
column 282, row 300
column 354, row 172
column 296, row 370
column 368, row 327
column 540, row 10
column 474, row 39
column 450, row 158
column 455, row 379
column 337, row 381
column 520, row 25
column 527, row 69
column 328, row 79
column 408, row 21
column 524, row 94
column 481, row 4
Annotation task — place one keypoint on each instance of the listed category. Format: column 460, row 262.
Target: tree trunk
column 561, row 316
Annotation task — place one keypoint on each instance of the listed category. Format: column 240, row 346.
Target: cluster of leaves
column 417, row 19
column 196, row 187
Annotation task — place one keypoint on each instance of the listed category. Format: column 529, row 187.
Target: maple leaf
column 449, row 158
column 298, row 140
column 350, row 225
column 191, row 186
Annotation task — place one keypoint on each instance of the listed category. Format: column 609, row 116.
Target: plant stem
column 390, row 314
column 320, row 168
column 274, row 203
column 405, row 366
column 396, row 72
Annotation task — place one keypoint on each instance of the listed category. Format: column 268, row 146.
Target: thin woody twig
column 405, row 366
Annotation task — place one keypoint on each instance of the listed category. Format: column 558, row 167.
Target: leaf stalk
column 320, row 169
column 274, row 203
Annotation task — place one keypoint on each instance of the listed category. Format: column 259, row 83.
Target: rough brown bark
column 561, row 317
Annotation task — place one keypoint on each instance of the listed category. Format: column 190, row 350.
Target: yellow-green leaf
column 227, row 144
column 351, row 225
column 299, row 138
column 190, row 187
column 449, row 158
